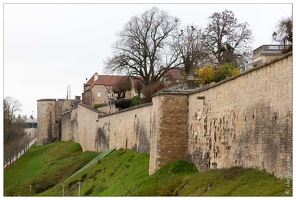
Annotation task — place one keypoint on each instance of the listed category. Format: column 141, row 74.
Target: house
column 264, row 54
column 100, row 89
column 31, row 126
column 173, row 76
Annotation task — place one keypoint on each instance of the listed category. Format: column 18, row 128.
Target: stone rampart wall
column 246, row 121
column 124, row 129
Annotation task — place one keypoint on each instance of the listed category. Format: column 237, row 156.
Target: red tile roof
column 108, row 80
column 175, row 74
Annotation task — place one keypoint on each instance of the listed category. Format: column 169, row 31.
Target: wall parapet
column 213, row 84
column 127, row 109
column 39, row 100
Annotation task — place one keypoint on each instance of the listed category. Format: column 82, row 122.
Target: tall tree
column 122, row 86
column 189, row 43
column 11, row 128
column 227, row 40
column 284, row 31
column 143, row 48
column 11, row 106
column 138, row 86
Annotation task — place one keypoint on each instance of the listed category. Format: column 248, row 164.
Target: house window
column 98, row 94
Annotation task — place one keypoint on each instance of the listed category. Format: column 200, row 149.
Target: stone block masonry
column 49, row 118
column 242, row 121
column 48, row 127
column 169, row 129
column 129, row 129
column 245, row 120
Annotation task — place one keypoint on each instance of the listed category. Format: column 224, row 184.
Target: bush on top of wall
column 123, row 103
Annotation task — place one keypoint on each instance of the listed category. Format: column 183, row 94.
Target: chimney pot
column 96, row 76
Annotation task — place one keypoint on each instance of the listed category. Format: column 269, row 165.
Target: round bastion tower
column 47, row 120
column 49, row 113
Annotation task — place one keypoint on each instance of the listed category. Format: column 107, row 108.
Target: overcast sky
column 50, row 46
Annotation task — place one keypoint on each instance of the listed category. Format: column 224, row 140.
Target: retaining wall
column 245, row 121
column 124, row 129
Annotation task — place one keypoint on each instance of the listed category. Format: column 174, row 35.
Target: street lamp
column 79, row 183
column 63, row 189
column 30, row 189
column 274, row 36
column 281, row 41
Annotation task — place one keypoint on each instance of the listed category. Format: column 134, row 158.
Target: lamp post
column 274, row 36
column 283, row 40
column 63, row 189
column 30, row 189
column 79, row 183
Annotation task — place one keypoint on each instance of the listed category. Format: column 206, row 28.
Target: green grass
column 125, row 173
column 43, row 167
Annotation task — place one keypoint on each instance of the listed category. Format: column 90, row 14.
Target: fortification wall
column 125, row 129
column 69, row 125
column 245, row 121
column 46, row 120
column 129, row 129
column 49, row 112
column 169, row 129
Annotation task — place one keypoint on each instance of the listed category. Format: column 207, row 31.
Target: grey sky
column 50, row 46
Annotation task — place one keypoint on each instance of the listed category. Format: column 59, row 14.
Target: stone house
column 173, row 76
column 264, row 54
column 99, row 89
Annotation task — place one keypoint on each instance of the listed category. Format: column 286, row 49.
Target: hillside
column 49, row 169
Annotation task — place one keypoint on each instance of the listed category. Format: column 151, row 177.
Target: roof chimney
column 96, row 76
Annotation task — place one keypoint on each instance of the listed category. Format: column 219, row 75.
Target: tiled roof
column 175, row 74
column 107, row 80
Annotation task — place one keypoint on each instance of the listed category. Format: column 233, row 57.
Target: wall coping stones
column 127, row 109
column 187, row 87
column 46, row 100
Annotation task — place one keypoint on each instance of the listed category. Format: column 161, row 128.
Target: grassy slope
column 43, row 167
column 125, row 173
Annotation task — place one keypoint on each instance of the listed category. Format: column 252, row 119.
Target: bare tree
column 227, row 40
column 11, row 129
column 284, row 31
column 138, row 86
column 122, row 86
column 14, row 135
column 144, row 46
column 11, row 106
column 189, row 43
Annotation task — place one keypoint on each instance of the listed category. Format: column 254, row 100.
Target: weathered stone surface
column 49, row 118
column 245, row 121
column 95, row 132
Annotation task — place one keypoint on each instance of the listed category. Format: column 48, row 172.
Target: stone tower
column 49, row 118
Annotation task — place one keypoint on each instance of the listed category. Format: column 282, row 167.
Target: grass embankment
column 125, row 173
column 43, row 167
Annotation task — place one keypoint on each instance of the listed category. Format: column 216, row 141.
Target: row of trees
column 13, row 126
column 15, row 139
column 153, row 43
